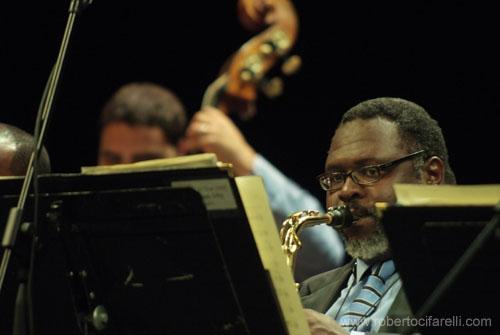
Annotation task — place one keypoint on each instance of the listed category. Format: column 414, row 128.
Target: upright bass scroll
column 235, row 90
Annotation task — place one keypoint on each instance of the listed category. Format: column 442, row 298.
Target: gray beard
column 368, row 248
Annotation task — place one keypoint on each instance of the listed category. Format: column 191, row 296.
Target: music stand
column 426, row 243
column 148, row 256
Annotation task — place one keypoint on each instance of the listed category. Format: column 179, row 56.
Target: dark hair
column 22, row 145
column 145, row 103
column 417, row 129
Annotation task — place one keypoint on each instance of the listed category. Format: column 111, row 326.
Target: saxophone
column 338, row 218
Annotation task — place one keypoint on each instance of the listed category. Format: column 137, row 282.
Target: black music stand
column 149, row 257
column 427, row 242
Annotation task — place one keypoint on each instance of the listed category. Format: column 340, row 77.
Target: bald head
column 16, row 146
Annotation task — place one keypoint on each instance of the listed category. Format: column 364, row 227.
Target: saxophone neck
column 312, row 218
column 336, row 217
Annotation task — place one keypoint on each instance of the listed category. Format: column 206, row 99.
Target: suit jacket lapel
column 399, row 310
column 327, row 289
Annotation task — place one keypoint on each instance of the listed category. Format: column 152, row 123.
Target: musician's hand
column 210, row 130
column 321, row 324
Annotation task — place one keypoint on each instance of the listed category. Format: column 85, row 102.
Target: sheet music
column 216, row 193
column 260, row 217
column 447, row 195
column 181, row 162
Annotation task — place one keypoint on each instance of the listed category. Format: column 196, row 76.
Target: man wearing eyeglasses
column 378, row 143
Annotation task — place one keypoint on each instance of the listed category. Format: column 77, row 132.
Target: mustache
column 359, row 211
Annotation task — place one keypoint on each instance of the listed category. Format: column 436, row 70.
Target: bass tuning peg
column 272, row 88
column 291, row 65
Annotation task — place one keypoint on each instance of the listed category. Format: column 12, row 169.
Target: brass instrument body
column 338, row 218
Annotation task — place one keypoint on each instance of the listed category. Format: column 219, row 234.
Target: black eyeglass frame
column 380, row 169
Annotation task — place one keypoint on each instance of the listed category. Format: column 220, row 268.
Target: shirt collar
column 361, row 268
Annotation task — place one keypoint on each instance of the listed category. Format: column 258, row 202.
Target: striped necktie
column 369, row 297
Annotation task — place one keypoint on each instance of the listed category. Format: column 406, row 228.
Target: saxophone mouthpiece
column 341, row 217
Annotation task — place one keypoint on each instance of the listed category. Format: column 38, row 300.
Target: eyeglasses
column 366, row 175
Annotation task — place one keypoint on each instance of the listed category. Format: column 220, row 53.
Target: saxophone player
column 378, row 143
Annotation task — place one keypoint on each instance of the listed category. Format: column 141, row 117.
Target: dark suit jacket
column 321, row 291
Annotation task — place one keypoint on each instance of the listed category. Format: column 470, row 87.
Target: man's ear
column 433, row 171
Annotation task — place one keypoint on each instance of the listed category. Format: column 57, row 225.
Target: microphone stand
column 44, row 109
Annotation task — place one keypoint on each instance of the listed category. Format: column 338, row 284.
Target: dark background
column 441, row 56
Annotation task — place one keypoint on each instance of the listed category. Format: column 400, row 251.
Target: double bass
column 236, row 89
